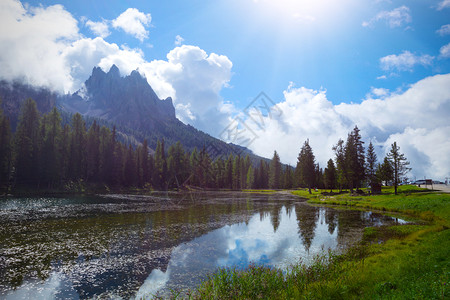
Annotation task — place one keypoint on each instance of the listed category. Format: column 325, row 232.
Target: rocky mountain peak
column 129, row 100
column 114, row 71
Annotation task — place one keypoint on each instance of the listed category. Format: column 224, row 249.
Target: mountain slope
column 129, row 103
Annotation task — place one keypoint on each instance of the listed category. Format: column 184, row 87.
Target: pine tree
column 5, row 151
column 145, row 162
column 319, row 183
column 306, row 167
column 64, row 150
column 385, row 172
column 193, row 166
column 339, row 152
column 275, row 172
column 399, row 164
column 129, row 173
column 228, row 177
column 51, row 156
column 107, row 145
column 160, row 170
column 93, row 153
column 354, row 159
column 371, row 164
column 330, row 175
column 219, row 173
column 26, row 145
column 288, row 177
column 236, row 184
column 77, row 162
column 250, row 178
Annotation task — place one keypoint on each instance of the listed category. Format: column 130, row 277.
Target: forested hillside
column 45, row 153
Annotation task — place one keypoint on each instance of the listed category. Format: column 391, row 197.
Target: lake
column 131, row 246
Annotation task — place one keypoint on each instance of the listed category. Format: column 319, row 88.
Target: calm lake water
column 125, row 246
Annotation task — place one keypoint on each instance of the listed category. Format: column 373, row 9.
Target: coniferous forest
column 43, row 153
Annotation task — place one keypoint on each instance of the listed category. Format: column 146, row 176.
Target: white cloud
column 416, row 118
column 444, row 30
column 445, row 51
column 377, row 92
column 31, row 45
column 133, row 22
column 83, row 54
column 101, row 29
column 194, row 79
column 178, row 40
column 394, row 18
column 443, row 4
column 404, row 61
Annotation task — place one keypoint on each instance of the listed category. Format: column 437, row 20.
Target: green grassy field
column 398, row 262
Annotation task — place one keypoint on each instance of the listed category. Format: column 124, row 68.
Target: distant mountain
column 129, row 103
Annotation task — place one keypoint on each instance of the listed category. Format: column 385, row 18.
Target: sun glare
column 302, row 10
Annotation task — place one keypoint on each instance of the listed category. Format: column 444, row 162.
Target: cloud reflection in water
column 238, row 245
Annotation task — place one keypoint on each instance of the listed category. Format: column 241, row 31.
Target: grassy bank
column 398, row 262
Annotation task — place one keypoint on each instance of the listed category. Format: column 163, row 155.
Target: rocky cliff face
column 127, row 101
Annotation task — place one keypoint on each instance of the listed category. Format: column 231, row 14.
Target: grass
column 398, row 262
column 417, row 202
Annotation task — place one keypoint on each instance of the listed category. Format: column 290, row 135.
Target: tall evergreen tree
column 64, row 150
column 339, row 152
column 371, row 164
column 354, row 159
column 77, row 162
column 228, row 178
column 330, row 175
column 160, row 169
column 275, row 171
column 399, row 164
column 130, row 170
column 93, row 153
column 26, row 144
column 5, row 151
column 385, row 172
column 319, row 183
column 145, row 162
column 107, row 145
column 250, row 177
column 306, row 167
column 236, row 172
column 51, row 157
column 288, row 175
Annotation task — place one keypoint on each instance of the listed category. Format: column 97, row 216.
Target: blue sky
column 271, row 46
column 328, row 65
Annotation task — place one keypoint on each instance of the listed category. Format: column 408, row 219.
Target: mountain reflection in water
column 117, row 247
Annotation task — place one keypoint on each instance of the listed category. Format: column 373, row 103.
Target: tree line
column 352, row 168
column 44, row 153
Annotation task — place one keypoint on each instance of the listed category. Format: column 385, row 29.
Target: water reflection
column 279, row 239
column 139, row 246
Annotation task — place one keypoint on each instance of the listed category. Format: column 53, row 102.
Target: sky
column 266, row 74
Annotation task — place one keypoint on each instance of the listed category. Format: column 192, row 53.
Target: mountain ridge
column 129, row 103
